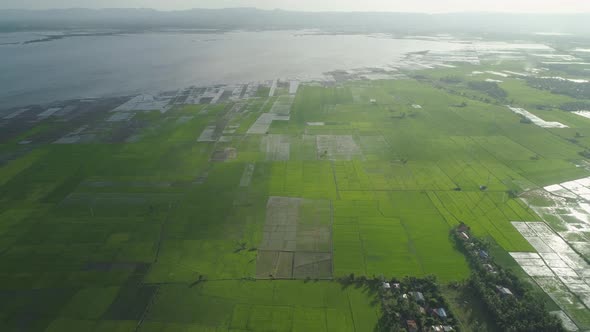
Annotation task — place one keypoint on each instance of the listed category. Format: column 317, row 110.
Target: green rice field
column 249, row 231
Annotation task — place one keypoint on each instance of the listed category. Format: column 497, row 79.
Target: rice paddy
column 238, row 213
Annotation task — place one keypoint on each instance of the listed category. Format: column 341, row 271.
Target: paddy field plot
column 337, row 147
column 558, row 269
column 145, row 102
column 208, row 135
column 297, row 239
column 566, row 207
column 262, row 306
column 585, row 114
column 372, row 236
column 280, row 110
column 222, row 215
column 262, row 124
column 276, row 147
column 247, row 175
column 282, row 106
column 537, row 120
column 121, row 116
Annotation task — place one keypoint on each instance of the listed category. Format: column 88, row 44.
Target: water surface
column 94, row 66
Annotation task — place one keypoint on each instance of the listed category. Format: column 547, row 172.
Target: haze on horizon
column 425, row 6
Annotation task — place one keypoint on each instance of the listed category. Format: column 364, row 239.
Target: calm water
column 124, row 64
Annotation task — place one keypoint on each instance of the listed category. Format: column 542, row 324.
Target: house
column 436, row 328
column 412, row 326
column 386, row 286
column 504, row 291
column 464, row 235
column 373, row 101
column 440, row 312
column 448, row 328
column 396, row 285
column 418, row 296
column 483, row 254
column 489, row 268
column 422, row 310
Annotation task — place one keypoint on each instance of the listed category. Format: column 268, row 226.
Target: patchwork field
column 240, row 214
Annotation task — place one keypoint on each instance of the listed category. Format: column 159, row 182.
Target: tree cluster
column 520, row 311
column 451, row 79
column 400, row 304
column 575, row 106
column 492, row 89
column 561, row 86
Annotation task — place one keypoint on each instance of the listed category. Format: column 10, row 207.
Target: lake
column 95, row 66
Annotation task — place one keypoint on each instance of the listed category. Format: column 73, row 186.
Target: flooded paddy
column 557, row 268
column 560, row 264
column 537, row 120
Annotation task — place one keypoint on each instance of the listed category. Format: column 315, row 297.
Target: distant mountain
column 255, row 19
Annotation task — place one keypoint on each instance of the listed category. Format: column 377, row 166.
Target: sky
column 427, row 6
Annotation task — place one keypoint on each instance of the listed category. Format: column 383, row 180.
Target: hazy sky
column 321, row 5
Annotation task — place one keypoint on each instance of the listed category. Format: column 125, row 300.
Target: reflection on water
column 95, row 66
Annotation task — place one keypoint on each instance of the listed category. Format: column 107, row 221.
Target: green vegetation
column 144, row 228
column 413, row 304
column 492, row 89
column 561, row 86
column 508, row 300
column 575, row 106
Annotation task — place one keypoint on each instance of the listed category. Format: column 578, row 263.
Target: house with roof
column 439, row 312
column 483, row 254
column 418, row 296
column 441, row 328
column 489, row 268
column 504, row 291
column 386, row 286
